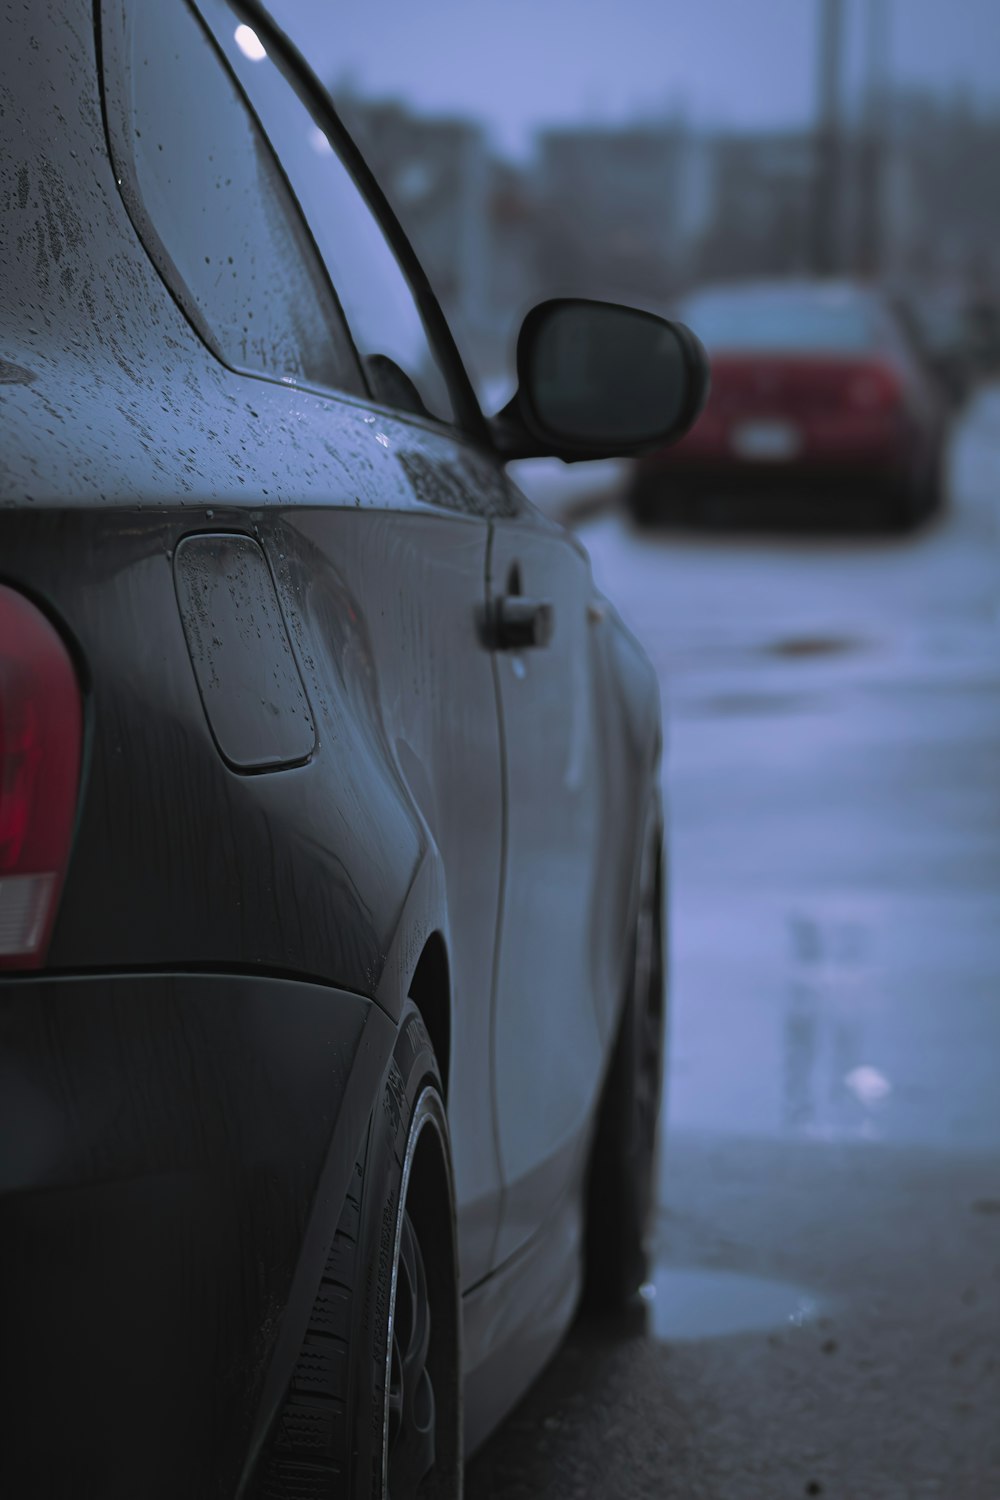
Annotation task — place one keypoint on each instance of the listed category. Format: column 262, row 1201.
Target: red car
column 815, row 388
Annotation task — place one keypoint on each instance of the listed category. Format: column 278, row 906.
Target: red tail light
column 874, row 388
column 41, row 726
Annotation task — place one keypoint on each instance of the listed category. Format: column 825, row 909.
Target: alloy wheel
column 410, row 1399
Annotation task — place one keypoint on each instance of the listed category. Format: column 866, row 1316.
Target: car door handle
column 520, row 623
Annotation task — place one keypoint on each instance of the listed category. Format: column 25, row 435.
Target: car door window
column 402, row 364
column 211, row 204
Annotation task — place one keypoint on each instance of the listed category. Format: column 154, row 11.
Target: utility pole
column 871, row 165
column 826, row 213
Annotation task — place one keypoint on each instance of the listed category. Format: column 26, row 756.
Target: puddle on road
column 814, row 645
column 831, row 1086
column 686, row 1304
column 756, row 703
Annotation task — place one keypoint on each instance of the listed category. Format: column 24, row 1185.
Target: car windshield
column 827, row 322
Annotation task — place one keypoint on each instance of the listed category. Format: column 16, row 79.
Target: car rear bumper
column 800, row 479
column 174, row 1150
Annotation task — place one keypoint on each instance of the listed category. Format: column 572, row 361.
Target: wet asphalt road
column 825, row 1314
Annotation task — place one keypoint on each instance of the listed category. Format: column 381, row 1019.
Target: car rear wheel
column 933, row 484
column 653, row 500
column 642, row 502
column 373, row 1411
column 623, row 1168
column 917, row 498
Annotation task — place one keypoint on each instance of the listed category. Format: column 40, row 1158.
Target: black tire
column 932, row 494
column 919, row 498
column 368, row 1416
column 668, row 502
column 621, row 1188
column 644, row 503
column 895, row 507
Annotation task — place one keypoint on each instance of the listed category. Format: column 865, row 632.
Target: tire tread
column 308, row 1457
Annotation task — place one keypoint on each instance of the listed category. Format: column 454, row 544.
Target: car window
column 811, row 322
column 404, row 368
column 211, row 204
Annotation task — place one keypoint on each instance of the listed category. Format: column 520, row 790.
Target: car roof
column 790, row 316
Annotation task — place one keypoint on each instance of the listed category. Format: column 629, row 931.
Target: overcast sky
column 516, row 63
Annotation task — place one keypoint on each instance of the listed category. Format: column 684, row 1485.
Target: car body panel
column 513, row 1321
column 180, row 860
column 172, row 1149
column 553, row 963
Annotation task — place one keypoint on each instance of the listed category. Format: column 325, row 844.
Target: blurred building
column 941, row 202
column 761, row 205
column 513, row 230
column 436, row 173
column 642, row 212
column 617, row 210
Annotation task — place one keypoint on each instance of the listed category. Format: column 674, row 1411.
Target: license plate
column 773, row 441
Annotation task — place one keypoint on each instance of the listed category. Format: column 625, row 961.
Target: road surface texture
column 824, row 1317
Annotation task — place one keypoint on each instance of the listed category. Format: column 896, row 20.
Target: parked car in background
column 944, row 335
column 331, row 892
column 815, row 387
column 982, row 317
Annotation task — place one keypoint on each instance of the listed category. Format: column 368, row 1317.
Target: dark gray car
column 330, row 880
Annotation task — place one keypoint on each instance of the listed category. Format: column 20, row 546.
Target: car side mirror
column 599, row 380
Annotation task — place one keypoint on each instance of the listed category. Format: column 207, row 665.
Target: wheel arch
column 430, row 991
